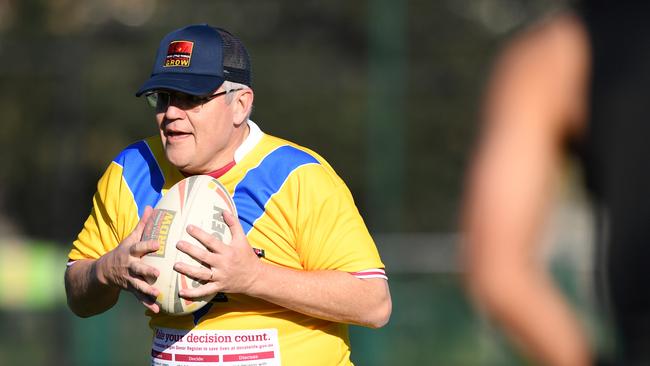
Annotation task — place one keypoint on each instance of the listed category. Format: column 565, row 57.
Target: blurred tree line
column 70, row 69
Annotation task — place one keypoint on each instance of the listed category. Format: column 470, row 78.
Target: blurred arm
column 535, row 100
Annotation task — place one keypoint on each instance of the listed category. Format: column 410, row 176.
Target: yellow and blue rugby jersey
column 291, row 204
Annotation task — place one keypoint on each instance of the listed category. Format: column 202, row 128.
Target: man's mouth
column 173, row 134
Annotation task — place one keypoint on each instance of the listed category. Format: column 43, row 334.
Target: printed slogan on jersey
column 258, row 347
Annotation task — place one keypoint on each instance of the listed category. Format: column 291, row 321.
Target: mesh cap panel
column 236, row 62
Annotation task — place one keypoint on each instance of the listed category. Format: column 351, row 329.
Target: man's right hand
column 122, row 267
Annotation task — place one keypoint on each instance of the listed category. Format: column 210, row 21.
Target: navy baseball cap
column 197, row 59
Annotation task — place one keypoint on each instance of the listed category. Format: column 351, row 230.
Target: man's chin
column 181, row 163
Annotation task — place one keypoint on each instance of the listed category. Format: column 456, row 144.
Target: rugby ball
column 198, row 200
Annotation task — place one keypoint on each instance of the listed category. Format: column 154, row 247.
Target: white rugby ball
column 198, row 200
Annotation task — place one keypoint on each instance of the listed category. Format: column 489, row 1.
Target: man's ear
column 242, row 105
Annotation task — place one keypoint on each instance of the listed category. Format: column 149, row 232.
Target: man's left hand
column 229, row 268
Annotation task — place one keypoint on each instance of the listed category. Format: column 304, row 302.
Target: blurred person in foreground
column 575, row 83
column 315, row 268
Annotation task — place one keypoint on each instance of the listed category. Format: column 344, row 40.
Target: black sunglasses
column 161, row 99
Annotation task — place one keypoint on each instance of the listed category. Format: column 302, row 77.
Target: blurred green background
column 387, row 91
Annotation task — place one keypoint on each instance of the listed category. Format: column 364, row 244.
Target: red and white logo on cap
column 179, row 54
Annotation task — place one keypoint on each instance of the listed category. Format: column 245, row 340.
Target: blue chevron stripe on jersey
column 142, row 173
column 260, row 183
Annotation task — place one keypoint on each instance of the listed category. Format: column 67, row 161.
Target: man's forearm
column 86, row 295
column 332, row 295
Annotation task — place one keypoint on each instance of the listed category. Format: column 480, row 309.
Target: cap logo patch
column 179, row 54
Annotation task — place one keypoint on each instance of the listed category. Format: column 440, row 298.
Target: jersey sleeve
column 113, row 216
column 331, row 233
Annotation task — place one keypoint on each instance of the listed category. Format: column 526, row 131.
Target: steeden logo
column 179, row 54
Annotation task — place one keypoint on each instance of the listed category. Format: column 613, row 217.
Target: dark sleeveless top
column 616, row 153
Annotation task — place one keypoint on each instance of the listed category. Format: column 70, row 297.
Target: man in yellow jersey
column 301, row 264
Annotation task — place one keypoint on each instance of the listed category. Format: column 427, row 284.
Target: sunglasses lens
column 158, row 100
column 152, row 99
